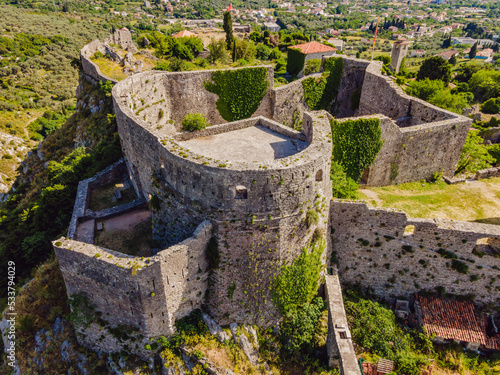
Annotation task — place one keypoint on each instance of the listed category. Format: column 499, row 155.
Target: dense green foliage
column 185, row 48
column 374, row 328
column 40, row 208
column 240, row 91
column 435, row 68
column 38, row 69
column 343, row 187
column 47, row 124
column 435, row 92
column 474, row 154
column 295, row 61
column 491, row 106
column 300, row 326
column 485, row 84
column 321, row 92
column 312, row 66
column 356, row 144
column 194, row 121
column 297, row 283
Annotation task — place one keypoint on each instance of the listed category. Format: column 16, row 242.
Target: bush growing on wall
column 342, row 186
column 356, row 144
column 297, row 283
column 240, row 91
column 194, row 121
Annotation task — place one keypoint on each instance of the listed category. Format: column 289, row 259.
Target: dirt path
column 372, row 195
column 126, row 221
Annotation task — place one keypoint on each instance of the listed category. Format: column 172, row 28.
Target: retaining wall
column 374, row 251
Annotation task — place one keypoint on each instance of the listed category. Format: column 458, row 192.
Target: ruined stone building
column 243, row 189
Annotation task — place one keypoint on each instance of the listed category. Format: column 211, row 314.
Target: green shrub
column 342, row 186
column 312, row 218
column 491, row 106
column 459, row 266
column 194, row 122
column 494, row 151
column 297, row 283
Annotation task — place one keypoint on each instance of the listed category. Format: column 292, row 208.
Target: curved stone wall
column 255, row 234
column 91, row 71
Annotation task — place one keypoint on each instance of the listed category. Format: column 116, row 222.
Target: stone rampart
column 339, row 345
column 374, row 249
column 164, row 99
column 148, row 293
column 487, row 173
column 271, row 217
column 102, row 178
column 91, row 71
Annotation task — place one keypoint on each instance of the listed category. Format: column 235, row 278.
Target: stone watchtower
column 398, row 53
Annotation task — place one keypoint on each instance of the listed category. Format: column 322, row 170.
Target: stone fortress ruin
column 230, row 204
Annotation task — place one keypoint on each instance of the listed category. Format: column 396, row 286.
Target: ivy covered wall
column 240, row 91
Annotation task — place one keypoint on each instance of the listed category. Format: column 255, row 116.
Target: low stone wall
column 102, row 178
column 339, row 345
column 91, row 71
column 486, row 173
column 149, row 293
column 241, row 124
column 373, row 250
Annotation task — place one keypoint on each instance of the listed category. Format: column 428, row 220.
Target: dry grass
column 110, row 68
column 474, row 201
column 137, row 242
column 104, row 197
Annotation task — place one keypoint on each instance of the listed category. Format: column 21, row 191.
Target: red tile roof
column 455, row 320
column 313, row 47
column 184, row 33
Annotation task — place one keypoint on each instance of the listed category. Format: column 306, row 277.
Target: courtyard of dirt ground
column 471, row 201
column 129, row 233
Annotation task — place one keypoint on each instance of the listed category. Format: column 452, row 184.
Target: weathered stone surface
column 123, row 38
column 339, row 343
column 214, row 328
column 374, row 250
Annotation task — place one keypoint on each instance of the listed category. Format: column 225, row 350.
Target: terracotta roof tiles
column 313, row 47
column 455, row 320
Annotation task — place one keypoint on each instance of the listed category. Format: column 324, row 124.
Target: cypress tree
column 228, row 28
column 473, row 51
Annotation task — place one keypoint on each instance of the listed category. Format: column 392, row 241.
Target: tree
column 473, row 51
column 435, row 68
column 228, row 28
column 453, row 60
column 474, row 154
column 447, row 42
column 218, row 51
column 312, row 66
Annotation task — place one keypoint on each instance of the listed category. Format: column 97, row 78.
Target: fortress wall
column 252, row 245
column 288, row 100
column 178, row 94
column 91, row 71
column 381, row 95
column 430, row 148
column 374, row 251
column 353, row 74
column 148, row 293
column 339, row 345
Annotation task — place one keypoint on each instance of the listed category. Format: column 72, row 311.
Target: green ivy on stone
column 321, row 92
column 240, row 91
column 356, row 144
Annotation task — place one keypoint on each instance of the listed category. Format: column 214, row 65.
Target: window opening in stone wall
column 343, row 335
column 241, row 192
column 409, row 230
column 319, row 175
column 151, row 315
column 487, row 245
column 154, row 287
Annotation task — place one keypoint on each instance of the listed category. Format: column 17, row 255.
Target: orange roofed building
column 185, row 33
column 300, row 53
column 455, row 321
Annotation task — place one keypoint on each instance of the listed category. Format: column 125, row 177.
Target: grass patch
column 475, row 201
column 110, row 68
column 137, row 242
column 104, row 197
